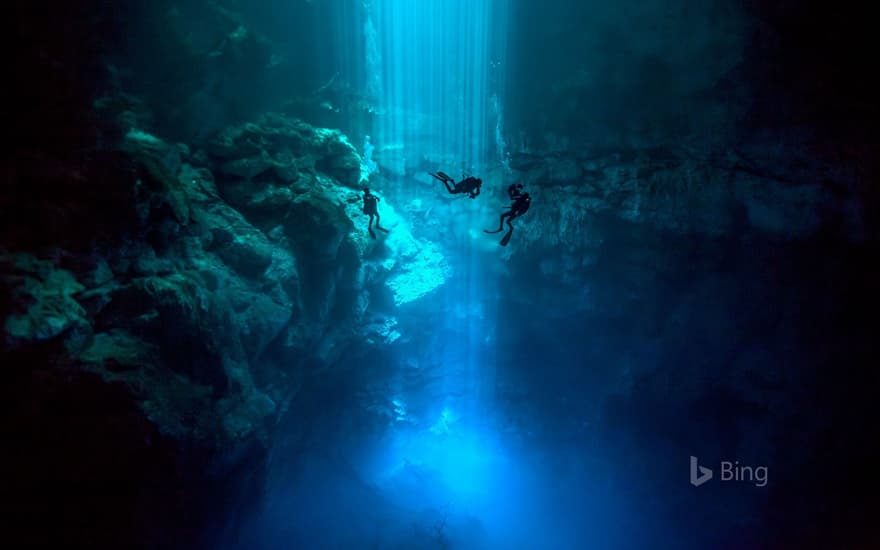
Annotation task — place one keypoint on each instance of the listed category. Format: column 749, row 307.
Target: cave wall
column 163, row 304
column 714, row 74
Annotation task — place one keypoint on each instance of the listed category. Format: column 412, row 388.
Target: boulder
column 42, row 298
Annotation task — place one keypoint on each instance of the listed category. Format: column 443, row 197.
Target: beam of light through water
column 432, row 73
column 434, row 69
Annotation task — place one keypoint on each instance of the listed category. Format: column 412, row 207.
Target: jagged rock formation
column 785, row 197
column 204, row 287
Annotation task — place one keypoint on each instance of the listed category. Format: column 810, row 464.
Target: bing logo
column 730, row 471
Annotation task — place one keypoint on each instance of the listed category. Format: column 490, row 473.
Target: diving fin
column 372, row 234
column 493, row 231
column 506, row 238
column 383, row 229
column 442, row 177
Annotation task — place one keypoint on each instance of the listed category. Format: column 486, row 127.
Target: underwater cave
column 440, row 275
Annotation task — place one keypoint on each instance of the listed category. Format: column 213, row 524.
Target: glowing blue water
column 430, row 63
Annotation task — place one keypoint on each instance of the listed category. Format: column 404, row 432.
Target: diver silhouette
column 521, row 203
column 470, row 185
column 371, row 203
column 514, row 191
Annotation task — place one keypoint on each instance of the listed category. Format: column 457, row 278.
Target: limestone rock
column 288, row 146
column 668, row 190
column 43, row 300
column 247, row 167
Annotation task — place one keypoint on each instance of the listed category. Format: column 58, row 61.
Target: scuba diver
column 371, row 203
column 521, row 203
column 469, row 185
column 514, row 191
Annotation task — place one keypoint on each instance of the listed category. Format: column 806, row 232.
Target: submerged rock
column 287, row 146
column 42, row 298
column 670, row 191
column 236, row 269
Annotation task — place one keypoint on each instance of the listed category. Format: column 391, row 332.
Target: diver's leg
column 500, row 226
column 370, row 227
column 512, row 216
column 378, row 226
column 507, row 216
column 449, row 187
column 506, row 238
column 510, row 219
column 500, row 223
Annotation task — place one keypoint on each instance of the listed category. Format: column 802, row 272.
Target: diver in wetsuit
column 470, row 185
column 521, row 203
column 371, row 209
column 514, row 191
